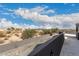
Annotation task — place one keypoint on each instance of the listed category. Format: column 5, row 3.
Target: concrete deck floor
column 70, row 46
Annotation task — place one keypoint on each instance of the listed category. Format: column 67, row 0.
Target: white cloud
column 4, row 23
column 42, row 10
column 39, row 14
column 27, row 14
column 63, row 21
column 38, row 9
column 50, row 11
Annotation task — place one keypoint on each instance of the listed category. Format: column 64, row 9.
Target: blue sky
column 39, row 14
column 60, row 8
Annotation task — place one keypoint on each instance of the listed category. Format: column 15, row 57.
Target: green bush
column 46, row 31
column 54, row 30
column 27, row 33
column 50, row 31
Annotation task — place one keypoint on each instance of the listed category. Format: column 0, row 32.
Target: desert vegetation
column 17, row 34
column 27, row 33
column 72, row 31
column 50, row 31
column 10, row 35
column 2, row 34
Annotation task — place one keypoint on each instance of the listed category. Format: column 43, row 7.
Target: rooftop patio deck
column 70, row 46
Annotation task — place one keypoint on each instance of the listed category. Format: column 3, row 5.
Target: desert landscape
column 10, row 35
column 44, row 27
column 17, row 34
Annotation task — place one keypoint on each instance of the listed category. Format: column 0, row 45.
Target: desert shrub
column 50, row 31
column 41, row 33
column 46, row 31
column 8, row 32
column 17, row 35
column 2, row 34
column 54, row 30
column 27, row 33
column 6, row 38
column 11, row 28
